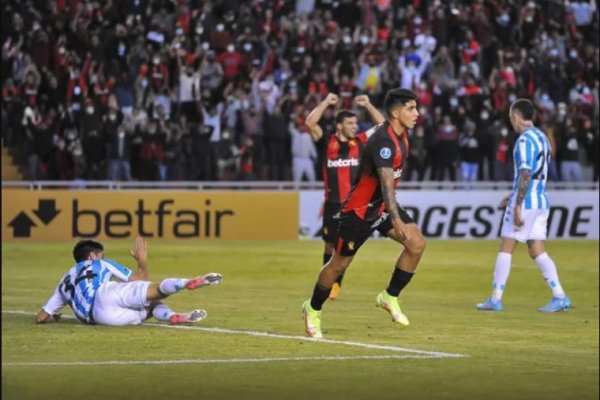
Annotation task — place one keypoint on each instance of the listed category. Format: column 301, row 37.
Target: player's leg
column 405, row 266
column 537, row 252
column 161, row 312
column 509, row 236
column 501, row 274
column 353, row 232
column 169, row 286
column 329, row 233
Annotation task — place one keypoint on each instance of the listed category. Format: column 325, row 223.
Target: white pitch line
column 433, row 354
column 204, row 361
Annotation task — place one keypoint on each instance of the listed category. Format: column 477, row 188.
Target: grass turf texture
column 517, row 354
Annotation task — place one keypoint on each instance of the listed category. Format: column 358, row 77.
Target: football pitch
column 252, row 344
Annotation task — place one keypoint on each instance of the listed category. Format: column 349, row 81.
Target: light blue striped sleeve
column 526, row 151
column 121, row 272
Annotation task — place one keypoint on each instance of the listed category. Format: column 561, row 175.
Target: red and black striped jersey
column 340, row 165
column 384, row 148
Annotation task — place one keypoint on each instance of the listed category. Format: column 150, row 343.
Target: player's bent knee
column 416, row 245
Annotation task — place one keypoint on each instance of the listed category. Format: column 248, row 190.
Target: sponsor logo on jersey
column 385, row 153
column 342, row 162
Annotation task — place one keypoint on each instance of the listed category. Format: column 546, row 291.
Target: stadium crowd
column 219, row 90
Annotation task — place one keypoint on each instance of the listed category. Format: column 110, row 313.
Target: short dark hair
column 398, row 97
column 83, row 248
column 342, row 115
column 525, row 107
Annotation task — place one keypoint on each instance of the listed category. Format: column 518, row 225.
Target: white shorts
column 535, row 225
column 121, row 303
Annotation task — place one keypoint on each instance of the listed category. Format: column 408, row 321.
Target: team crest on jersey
column 326, row 231
column 350, row 245
column 352, row 143
column 385, row 153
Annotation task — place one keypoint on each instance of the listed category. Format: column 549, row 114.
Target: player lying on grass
column 95, row 299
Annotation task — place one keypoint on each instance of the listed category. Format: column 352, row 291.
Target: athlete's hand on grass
column 518, row 219
column 140, row 253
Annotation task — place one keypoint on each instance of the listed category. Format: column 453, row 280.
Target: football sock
column 162, row 312
column 172, row 285
column 319, row 296
column 548, row 269
column 326, row 257
column 399, row 280
column 339, row 279
column 501, row 272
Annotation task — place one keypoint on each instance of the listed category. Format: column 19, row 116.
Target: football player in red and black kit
column 371, row 204
column 342, row 151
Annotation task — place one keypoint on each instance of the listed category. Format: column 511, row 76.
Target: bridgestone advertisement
column 472, row 214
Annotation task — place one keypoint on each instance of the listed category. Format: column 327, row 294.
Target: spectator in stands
column 304, row 152
column 447, row 152
column 479, row 53
column 119, row 153
column 470, row 155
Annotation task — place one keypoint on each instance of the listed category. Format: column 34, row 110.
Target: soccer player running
column 95, row 299
column 371, row 204
column 527, row 209
column 340, row 164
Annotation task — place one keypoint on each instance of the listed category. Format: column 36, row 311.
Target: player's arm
column 50, row 311
column 386, row 179
column 312, row 121
column 382, row 153
column 364, row 101
column 524, row 163
column 140, row 253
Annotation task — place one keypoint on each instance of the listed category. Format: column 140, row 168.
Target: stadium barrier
column 68, row 210
column 57, row 215
column 472, row 214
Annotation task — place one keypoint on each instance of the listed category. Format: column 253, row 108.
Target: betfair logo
column 23, row 223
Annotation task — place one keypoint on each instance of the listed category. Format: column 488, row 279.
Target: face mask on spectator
column 220, row 27
column 89, row 110
column 364, row 40
column 453, row 102
column 248, row 47
column 347, row 39
column 112, row 116
column 156, row 60
column 484, row 115
column 230, row 48
column 504, row 132
column 199, row 30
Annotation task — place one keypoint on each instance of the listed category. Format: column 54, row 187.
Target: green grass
column 517, row 354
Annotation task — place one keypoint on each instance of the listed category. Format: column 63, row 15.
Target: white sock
column 550, row 273
column 501, row 272
column 162, row 312
column 172, row 285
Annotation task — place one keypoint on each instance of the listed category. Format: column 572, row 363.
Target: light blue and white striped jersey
column 78, row 287
column 532, row 151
